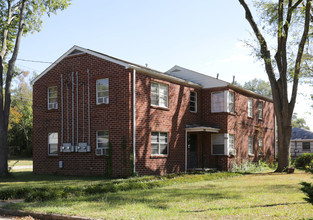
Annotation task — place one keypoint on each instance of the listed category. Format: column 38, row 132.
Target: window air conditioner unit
column 53, row 105
column 101, row 151
column 232, row 152
column 103, row 100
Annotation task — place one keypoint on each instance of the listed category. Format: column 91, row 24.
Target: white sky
column 201, row 35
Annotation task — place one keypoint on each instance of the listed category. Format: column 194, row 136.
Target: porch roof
column 198, row 128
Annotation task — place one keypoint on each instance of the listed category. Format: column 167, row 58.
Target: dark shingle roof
column 300, row 133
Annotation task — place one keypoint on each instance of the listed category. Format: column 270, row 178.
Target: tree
column 17, row 18
column 289, row 21
column 259, row 86
column 299, row 122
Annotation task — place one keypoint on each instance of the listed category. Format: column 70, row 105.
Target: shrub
column 304, row 160
column 250, row 167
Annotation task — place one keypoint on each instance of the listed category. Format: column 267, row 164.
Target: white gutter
column 134, row 121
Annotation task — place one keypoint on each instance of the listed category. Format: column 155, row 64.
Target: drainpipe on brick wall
column 134, row 121
column 186, row 151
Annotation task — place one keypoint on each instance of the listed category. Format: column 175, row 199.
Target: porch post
column 203, row 132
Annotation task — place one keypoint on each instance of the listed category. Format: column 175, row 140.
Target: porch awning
column 198, row 128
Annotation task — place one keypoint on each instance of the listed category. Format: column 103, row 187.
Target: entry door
column 192, row 139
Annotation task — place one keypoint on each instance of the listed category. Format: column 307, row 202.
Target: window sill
column 250, row 117
column 158, row 156
column 103, row 104
column 159, row 107
column 53, row 155
column 52, row 110
column 193, row 112
column 250, row 155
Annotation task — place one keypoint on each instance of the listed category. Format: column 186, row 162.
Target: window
column 250, row 108
column 159, row 94
column 223, row 144
column 102, row 143
column 231, row 144
column 222, row 102
column 260, row 146
column 102, row 91
column 159, row 143
column 193, row 102
column 260, row 108
column 53, row 97
column 231, row 102
column 250, row 145
column 306, row 146
column 53, row 143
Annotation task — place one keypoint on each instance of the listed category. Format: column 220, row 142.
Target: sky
column 202, row 35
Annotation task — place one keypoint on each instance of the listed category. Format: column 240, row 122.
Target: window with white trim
column 260, row 143
column 305, row 146
column 193, row 101
column 250, row 145
column 159, row 94
column 102, row 91
column 53, row 97
column 159, row 143
column 102, row 142
column 260, row 109
column 250, row 108
column 223, row 101
column 223, row 144
column 231, row 102
column 53, row 144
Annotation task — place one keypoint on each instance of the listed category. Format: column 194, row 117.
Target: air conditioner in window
column 103, row 100
column 232, row 152
column 101, row 151
column 53, row 105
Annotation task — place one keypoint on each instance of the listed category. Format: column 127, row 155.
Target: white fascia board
column 84, row 51
column 302, row 140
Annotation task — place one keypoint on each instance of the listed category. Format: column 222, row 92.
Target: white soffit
column 199, row 78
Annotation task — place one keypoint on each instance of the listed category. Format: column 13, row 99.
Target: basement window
column 53, row 144
column 103, row 91
column 53, row 97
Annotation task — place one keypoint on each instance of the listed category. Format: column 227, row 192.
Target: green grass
column 254, row 196
column 16, row 161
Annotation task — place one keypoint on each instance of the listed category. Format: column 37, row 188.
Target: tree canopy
column 17, row 18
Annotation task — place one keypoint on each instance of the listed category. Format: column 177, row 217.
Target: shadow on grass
column 247, row 207
column 158, row 198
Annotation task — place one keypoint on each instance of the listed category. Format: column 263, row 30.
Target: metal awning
column 190, row 128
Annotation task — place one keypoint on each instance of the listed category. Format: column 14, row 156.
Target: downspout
column 134, row 121
column 73, row 126
column 88, row 108
column 77, row 134
column 186, row 151
column 62, row 110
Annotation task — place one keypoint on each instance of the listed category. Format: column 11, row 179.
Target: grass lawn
column 16, row 161
column 255, row 196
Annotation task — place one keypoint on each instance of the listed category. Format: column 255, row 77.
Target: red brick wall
column 114, row 117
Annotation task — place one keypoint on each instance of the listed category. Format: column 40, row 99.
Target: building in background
column 301, row 142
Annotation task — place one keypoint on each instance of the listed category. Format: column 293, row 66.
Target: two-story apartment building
column 94, row 113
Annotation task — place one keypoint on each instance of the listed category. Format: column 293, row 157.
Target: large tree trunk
column 3, row 152
column 284, row 134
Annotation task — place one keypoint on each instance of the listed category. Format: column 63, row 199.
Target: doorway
column 192, row 145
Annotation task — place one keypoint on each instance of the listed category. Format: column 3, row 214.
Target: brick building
column 91, row 110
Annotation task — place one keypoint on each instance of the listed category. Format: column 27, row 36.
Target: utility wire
column 34, row 61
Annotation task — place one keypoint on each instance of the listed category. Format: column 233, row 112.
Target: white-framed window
column 102, row 91
column 260, row 110
column 250, row 145
column 305, row 146
column 193, row 101
column 159, row 143
column 223, row 144
column 102, row 142
column 53, row 144
column 53, row 97
column 159, row 94
column 223, row 101
column 260, row 143
column 250, row 108
column 231, row 102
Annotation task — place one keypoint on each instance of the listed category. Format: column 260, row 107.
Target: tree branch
column 300, row 54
